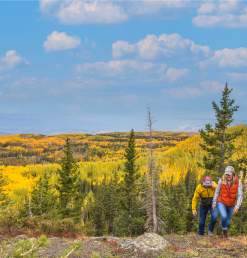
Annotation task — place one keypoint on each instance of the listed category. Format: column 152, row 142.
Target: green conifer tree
column 130, row 191
column 174, row 215
column 42, row 197
column 217, row 140
column 68, row 183
column 190, row 185
column 111, row 203
column 3, row 196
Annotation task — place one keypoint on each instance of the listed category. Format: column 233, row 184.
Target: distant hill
column 185, row 156
column 23, row 149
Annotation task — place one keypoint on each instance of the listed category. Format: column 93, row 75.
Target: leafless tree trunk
column 29, row 206
column 222, row 155
column 152, row 219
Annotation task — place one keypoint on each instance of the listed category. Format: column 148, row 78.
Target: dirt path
column 180, row 247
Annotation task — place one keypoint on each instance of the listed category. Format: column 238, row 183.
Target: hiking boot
column 224, row 231
column 210, row 233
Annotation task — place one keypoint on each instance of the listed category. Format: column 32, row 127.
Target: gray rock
column 127, row 244
column 146, row 245
column 150, row 243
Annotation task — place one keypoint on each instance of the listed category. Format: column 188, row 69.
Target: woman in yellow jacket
column 204, row 193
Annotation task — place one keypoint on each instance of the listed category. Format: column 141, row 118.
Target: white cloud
column 237, row 76
column 83, row 12
column 160, row 7
column 165, row 45
column 222, row 13
column 227, row 57
column 121, row 68
column 58, row 41
column 10, row 60
column 207, row 7
column 221, row 6
column 45, row 5
column 231, row 57
column 173, row 74
column 92, row 11
column 131, row 70
column 202, row 88
column 122, row 48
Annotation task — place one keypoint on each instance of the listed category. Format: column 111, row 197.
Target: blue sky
column 93, row 66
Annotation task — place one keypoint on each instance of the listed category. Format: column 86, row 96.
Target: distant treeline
column 23, row 149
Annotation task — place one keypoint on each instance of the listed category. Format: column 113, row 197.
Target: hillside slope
column 186, row 155
column 23, row 149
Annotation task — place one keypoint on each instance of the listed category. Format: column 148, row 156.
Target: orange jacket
column 228, row 193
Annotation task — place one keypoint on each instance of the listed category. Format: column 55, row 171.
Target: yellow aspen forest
column 175, row 154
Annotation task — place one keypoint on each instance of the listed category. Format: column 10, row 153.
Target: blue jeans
column 203, row 211
column 226, row 214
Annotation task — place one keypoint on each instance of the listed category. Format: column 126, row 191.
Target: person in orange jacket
column 228, row 197
column 204, row 193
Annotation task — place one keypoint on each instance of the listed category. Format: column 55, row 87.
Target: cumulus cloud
column 202, row 88
column 237, row 76
column 10, row 60
column 221, row 13
column 91, row 11
column 160, row 7
column 165, row 45
column 174, row 74
column 81, row 12
column 59, row 41
column 227, row 57
column 46, row 5
column 131, row 69
column 122, row 48
column 223, row 6
column 121, row 68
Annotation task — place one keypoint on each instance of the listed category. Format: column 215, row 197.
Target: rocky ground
column 146, row 246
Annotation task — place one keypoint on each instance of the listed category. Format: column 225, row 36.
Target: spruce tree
column 217, row 140
column 42, row 198
column 3, row 196
column 190, row 182
column 96, row 211
column 175, row 214
column 130, row 202
column 111, row 203
column 68, row 183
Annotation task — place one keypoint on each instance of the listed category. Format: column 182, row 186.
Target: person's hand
column 235, row 211
column 213, row 206
column 194, row 212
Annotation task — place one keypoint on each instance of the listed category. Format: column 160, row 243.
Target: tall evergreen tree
column 68, row 183
column 3, row 196
column 217, row 140
column 111, row 203
column 42, row 198
column 130, row 201
column 190, row 182
column 174, row 216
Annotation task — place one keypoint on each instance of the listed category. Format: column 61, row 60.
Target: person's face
column 228, row 177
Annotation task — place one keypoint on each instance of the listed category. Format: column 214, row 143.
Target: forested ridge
column 179, row 171
column 23, row 149
column 143, row 182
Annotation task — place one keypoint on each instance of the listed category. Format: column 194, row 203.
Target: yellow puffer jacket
column 202, row 192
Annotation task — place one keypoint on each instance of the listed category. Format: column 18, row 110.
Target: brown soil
column 180, row 247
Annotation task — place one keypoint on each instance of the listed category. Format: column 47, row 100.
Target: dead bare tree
column 152, row 181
